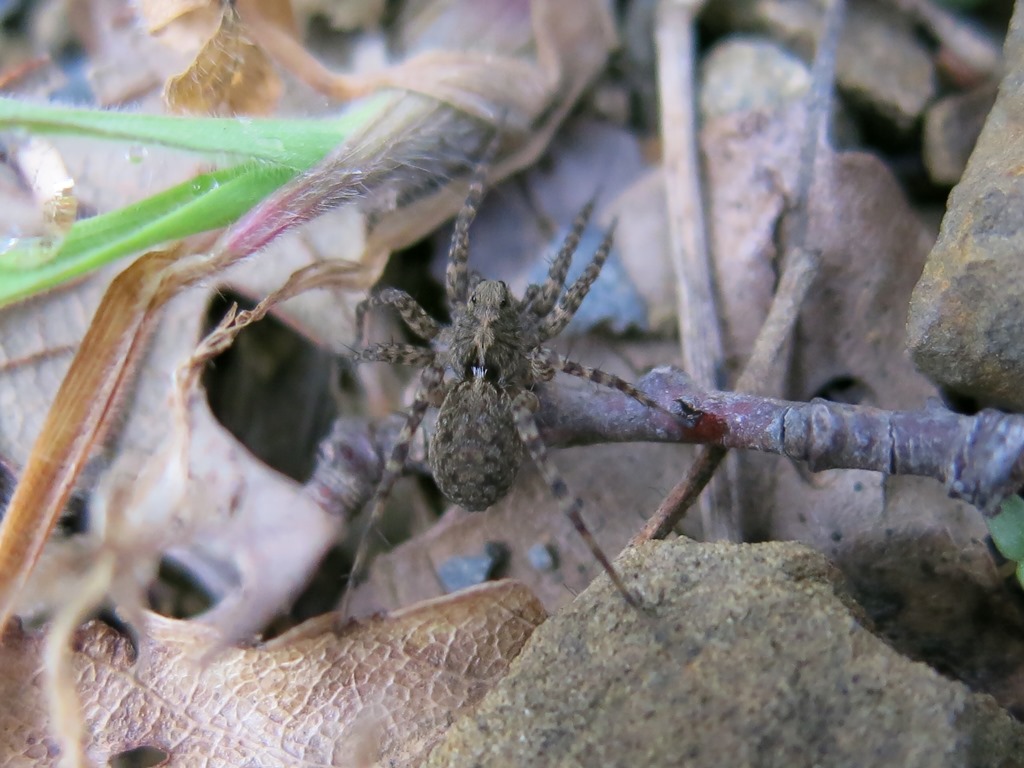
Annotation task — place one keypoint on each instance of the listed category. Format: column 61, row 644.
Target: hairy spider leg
column 545, row 361
column 570, row 505
column 542, row 300
column 402, row 354
column 431, row 379
column 422, row 324
column 559, row 317
column 456, row 276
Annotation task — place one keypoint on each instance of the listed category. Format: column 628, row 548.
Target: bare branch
column 699, row 333
column 800, row 268
column 978, row 458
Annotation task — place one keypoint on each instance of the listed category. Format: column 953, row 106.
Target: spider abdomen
column 475, row 453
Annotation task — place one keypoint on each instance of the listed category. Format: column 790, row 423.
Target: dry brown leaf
column 38, row 337
column 229, row 75
column 372, row 168
column 157, row 15
column 272, row 553
column 76, row 425
column 233, row 498
column 325, row 316
column 37, row 341
column 386, row 688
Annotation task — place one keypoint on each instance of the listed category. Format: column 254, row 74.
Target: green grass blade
column 276, row 151
column 294, row 143
column 206, row 202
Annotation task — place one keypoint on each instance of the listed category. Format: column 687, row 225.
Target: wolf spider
column 493, row 350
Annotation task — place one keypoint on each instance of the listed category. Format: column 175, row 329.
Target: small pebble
column 613, row 301
column 742, row 74
column 468, row 570
column 542, row 557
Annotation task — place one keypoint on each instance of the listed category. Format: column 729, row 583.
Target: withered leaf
column 230, row 75
column 156, row 17
column 386, row 688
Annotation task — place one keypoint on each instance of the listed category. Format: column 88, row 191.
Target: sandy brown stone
column 965, row 314
column 750, row 655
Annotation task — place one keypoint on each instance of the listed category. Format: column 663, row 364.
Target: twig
column 699, row 331
column 974, row 48
column 978, row 458
column 799, row 270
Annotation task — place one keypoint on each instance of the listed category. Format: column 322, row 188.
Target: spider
column 493, row 354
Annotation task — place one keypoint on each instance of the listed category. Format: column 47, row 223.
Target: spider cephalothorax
column 481, row 369
column 486, row 338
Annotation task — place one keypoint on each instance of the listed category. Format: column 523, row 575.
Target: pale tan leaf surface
column 324, row 316
column 157, row 15
column 260, row 526
column 38, row 337
column 124, row 63
column 386, row 688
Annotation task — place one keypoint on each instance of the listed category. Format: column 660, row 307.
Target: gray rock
column 469, row 570
column 964, row 329
column 543, row 557
column 749, row 655
column 744, row 73
column 613, row 300
column 882, row 67
column 951, row 128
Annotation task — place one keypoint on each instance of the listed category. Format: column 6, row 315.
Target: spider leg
column 422, row 324
column 402, row 354
column 543, row 300
column 559, row 317
column 545, row 362
column 430, row 381
column 456, row 276
column 528, row 433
